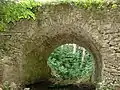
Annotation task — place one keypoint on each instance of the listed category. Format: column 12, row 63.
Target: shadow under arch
column 50, row 43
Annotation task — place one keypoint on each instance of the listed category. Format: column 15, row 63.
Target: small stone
column 26, row 88
column 13, row 85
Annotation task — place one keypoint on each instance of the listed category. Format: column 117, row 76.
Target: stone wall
column 26, row 45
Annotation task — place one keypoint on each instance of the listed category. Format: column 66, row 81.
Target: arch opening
column 70, row 61
column 74, row 71
column 43, row 51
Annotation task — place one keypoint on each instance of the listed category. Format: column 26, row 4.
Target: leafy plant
column 6, row 85
column 11, row 11
column 67, row 64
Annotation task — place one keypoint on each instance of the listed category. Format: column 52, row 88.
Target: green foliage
column 6, row 85
column 68, row 64
column 91, row 4
column 11, row 11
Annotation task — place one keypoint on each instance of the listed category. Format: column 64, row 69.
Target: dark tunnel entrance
column 47, row 85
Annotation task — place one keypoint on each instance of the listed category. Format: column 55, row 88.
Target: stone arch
column 56, row 25
column 42, row 45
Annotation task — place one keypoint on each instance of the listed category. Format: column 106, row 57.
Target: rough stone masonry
column 26, row 45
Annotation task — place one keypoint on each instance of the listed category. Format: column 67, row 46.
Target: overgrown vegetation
column 12, row 11
column 69, row 61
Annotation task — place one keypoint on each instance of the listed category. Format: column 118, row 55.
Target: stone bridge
column 26, row 45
